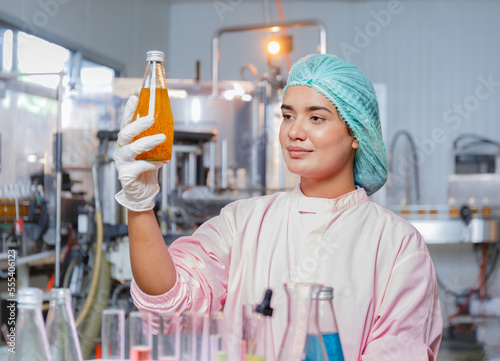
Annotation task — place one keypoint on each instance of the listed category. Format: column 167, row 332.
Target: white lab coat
column 385, row 292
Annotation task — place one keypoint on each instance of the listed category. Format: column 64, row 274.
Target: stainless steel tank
column 234, row 116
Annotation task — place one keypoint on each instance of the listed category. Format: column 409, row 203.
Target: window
column 24, row 53
column 7, row 37
column 30, row 108
column 95, row 77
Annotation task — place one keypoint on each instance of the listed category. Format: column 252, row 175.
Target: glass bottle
column 302, row 332
column 314, row 349
column 31, row 337
column 328, row 324
column 154, row 100
column 61, row 329
column 453, row 211
column 486, row 210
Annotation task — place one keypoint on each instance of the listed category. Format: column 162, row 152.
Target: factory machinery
column 218, row 156
column 58, row 181
column 471, row 217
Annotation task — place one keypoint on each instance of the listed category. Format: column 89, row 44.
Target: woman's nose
column 297, row 131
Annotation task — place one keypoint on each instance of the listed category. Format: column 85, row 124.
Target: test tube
column 141, row 338
column 195, row 336
column 218, row 349
column 169, row 337
column 113, row 334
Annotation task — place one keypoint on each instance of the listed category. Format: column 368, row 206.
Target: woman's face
column 314, row 139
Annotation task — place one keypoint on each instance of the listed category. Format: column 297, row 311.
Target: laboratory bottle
column 31, row 337
column 328, row 324
column 61, row 329
column 154, row 100
column 302, row 340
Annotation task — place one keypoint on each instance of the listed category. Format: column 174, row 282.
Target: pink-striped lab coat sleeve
column 202, row 263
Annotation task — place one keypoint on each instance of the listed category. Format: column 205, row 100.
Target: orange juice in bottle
column 154, row 100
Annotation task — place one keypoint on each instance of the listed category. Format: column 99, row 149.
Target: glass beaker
column 218, row 337
column 141, row 338
column 195, row 336
column 302, row 322
column 113, row 334
column 169, row 337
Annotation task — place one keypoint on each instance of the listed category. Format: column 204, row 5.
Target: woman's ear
column 355, row 143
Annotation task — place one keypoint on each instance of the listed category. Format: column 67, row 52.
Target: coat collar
column 323, row 205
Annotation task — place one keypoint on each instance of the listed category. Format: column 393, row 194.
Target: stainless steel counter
column 436, row 230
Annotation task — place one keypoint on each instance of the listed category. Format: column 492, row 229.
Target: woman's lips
column 297, row 152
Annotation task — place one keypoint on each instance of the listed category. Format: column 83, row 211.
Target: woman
column 325, row 231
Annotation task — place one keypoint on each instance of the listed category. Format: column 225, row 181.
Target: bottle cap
column 29, row 296
column 326, row 293
column 155, row 55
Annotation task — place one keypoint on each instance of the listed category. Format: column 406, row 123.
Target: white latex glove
column 139, row 178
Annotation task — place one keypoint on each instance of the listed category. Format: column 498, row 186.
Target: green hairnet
column 352, row 93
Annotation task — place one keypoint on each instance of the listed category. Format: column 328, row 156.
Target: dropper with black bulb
column 265, row 309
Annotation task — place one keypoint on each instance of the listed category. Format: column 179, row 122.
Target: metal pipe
column 191, row 169
column 164, row 188
column 283, row 24
column 58, row 182
column 258, row 109
column 223, row 167
column 266, row 9
column 17, row 75
column 411, row 141
column 95, row 180
column 263, row 138
column 211, row 171
column 173, row 171
column 96, row 270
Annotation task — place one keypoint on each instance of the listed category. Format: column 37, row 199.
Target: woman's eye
column 287, row 117
column 316, row 119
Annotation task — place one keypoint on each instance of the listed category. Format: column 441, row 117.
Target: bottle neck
column 60, row 303
column 29, row 316
column 326, row 317
column 28, row 308
column 325, row 307
column 154, row 75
